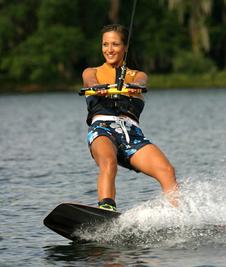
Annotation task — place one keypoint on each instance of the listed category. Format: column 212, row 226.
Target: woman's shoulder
column 92, row 69
column 134, row 72
column 131, row 72
column 88, row 71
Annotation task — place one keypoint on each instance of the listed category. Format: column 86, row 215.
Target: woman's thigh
column 103, row 150
column 153, row 162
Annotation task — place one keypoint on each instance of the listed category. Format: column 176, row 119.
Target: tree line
column 52, row 41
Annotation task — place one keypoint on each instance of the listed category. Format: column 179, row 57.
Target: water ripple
column 45, row 160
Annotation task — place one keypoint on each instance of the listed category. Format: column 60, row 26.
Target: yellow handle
column 112, row 91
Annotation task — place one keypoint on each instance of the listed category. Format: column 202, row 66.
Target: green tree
column 217, row 28
column 157, row 35
column 50, row 49
column 45, row 56
column 17, row 21
column 54, row 40
column 197, row 11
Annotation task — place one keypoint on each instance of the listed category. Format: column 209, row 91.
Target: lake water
column 44, row 161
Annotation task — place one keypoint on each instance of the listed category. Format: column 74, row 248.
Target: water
column 44, row 160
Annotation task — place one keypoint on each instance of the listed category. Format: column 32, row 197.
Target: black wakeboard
column 68, row 217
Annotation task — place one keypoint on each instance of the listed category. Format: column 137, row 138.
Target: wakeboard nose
column 66, row 218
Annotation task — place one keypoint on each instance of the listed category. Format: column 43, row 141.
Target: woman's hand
column 134, row 91
column 102, row 92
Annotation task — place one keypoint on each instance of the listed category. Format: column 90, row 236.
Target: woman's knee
column 108, row 164
column 166, row 174
column 169, row 171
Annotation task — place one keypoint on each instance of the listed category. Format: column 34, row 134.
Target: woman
column 114, row 135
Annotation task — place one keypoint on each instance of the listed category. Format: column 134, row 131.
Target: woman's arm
column 141, row 78
column 89, row 77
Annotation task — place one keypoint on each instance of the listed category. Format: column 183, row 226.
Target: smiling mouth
column 110, row 56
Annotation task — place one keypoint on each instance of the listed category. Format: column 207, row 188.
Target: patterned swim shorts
column 124, row 133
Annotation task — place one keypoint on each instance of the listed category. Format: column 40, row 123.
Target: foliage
column 44, row 56
column 176, row 80
column 196, row 11
column 17, row 21
column 188, row 62
column 49, row 41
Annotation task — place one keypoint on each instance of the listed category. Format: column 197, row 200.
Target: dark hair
column 122, row 30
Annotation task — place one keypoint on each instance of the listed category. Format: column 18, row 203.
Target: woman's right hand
column 102, row 92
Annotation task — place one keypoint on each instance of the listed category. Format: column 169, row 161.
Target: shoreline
column 156, row 82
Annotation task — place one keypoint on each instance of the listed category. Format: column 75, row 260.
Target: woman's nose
column 110, row 48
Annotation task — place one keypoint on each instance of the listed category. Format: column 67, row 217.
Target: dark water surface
column 44, row 160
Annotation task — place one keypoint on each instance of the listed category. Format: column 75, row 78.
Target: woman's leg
column 151, row 161
column 105, row 154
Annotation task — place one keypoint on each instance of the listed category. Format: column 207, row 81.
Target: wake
column 199, row 220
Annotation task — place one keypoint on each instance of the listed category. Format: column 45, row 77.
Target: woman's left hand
column 134, row 91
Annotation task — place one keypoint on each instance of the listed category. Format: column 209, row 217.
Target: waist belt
column 120, row 120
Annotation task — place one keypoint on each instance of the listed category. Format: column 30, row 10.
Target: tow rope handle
column 112, row 89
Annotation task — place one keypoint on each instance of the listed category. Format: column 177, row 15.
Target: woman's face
column 113, row 48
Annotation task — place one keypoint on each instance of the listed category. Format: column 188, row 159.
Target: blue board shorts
column 125, row 134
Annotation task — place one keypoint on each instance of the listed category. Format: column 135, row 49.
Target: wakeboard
column 66, row 218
